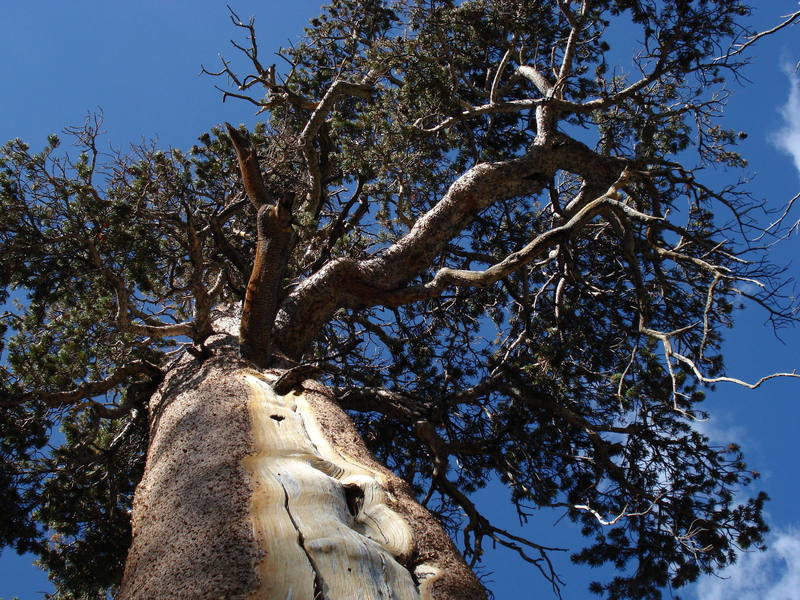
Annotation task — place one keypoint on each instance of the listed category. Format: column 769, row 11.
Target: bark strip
column 358, row 530
column 312, row 541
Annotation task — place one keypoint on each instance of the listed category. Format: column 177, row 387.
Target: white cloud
column 721, row 429
column 788, row 137
column 770, row 575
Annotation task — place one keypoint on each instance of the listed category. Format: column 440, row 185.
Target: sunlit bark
column 248, row 493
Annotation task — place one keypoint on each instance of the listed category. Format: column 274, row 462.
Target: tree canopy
column 485, row 224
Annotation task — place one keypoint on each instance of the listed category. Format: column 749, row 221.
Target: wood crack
column 319, row 582
column 344, row 524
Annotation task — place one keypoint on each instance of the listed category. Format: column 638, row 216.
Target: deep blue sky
column 140, row 63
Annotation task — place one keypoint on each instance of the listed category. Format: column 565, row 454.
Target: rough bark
column 250, row 494
column 275, row 238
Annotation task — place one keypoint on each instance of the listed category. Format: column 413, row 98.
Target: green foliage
column 89, row 495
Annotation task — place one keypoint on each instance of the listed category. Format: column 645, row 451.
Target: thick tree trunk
column 249, row 494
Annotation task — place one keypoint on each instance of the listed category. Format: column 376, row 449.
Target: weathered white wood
column 313, row 542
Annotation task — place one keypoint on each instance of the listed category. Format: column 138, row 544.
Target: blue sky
column 140, row 63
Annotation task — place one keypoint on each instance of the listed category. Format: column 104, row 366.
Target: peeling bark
column 251, row 494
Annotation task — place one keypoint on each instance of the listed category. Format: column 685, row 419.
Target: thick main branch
column 350, row 283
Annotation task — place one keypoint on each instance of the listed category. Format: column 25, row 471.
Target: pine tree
column 463, row 245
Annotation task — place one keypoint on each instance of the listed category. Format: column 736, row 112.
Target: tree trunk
column 249, row 494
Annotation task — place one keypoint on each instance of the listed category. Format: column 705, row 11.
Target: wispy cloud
column 788, row 137
column 773, row 575
column 722, row 430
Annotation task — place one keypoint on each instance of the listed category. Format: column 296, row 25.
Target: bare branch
column 446, row 277
column 498, row 74
column 789, row 19
column 337, row 90
column 624, row 514
column 712, row 380
column 533, row 75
